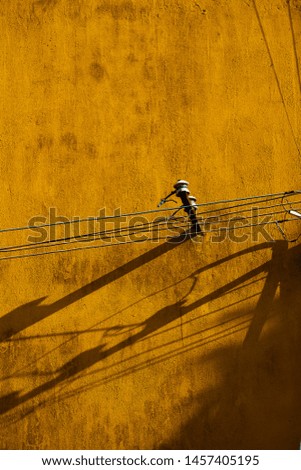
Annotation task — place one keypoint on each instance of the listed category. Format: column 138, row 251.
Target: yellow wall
column 106, row 103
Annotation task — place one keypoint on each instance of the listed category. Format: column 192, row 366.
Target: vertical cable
column 276, row 76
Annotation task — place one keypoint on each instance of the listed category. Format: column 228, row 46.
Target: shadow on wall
column 256, row 404
column 27, row 315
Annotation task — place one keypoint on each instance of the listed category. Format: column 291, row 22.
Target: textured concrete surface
column 106, row 103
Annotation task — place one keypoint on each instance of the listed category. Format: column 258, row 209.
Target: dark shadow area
column 27, row 315
column 150, row 326
column 256, row 404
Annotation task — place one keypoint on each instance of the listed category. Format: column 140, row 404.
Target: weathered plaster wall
column 106, row 103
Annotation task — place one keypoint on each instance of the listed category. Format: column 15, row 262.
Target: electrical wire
column 129, row 231
column 292, row 240
column 185, row 234
column 257, row 215
column 87, row 238
column 166, row 209
column 276, row 76
column 228, row 229
column 80, row 248
column 244, row 210
column 108, row 234
column 164, row 224
column 181, row 222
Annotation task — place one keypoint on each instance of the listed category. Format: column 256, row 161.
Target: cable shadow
column 31, row 313
column 294, row 43
column 255, row 403
column 150, row 326
column 28, row 314
column 242, row 326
